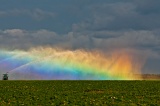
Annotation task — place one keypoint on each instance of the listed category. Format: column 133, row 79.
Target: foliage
column 45, row 93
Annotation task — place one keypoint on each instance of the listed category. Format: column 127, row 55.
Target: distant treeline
column 150, row 76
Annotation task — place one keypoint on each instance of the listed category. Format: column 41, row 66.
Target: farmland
column 41, row 93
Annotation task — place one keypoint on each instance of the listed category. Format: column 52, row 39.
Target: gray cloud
column 108, row 25
column 37, row 14
column 121, row 16
column 116, row 39
column 130, row 24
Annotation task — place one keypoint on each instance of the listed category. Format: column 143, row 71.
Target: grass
column 45, row 93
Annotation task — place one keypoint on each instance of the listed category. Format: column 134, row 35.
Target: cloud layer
column 85, row 24
column 141, row 39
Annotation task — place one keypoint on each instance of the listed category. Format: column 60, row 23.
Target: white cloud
column 14, row 32
column 40, row 14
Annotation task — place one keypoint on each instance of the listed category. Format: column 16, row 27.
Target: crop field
column 80, row 93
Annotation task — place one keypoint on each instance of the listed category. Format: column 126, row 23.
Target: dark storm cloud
column 121, row 16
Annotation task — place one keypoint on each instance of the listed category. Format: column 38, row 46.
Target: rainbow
column 46, row 63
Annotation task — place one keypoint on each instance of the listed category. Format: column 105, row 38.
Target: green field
column 100, row 93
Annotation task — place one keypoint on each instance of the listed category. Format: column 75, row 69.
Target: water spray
column 50, row 63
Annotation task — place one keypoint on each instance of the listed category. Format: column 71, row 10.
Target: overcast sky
column 87, row 24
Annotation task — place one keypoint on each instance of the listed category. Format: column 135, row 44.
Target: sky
column 84, row 24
